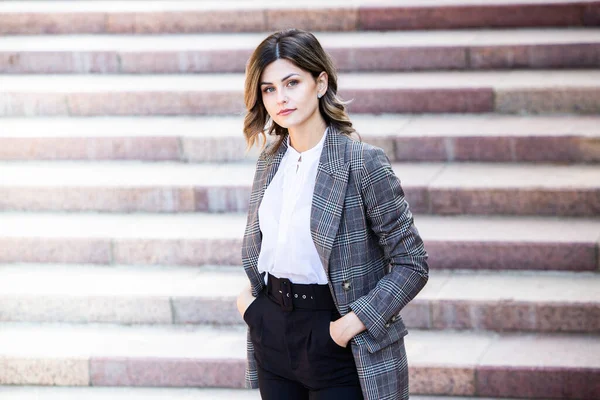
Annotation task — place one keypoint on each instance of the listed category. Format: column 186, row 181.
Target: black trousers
column 294, row 351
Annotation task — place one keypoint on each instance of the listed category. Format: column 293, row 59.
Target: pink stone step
column 453, row 242
column 106, row 355
column 540, row 366
column 514, row 189
column 506, row 92
column 193, row 139
column 482, row 300
column 508, row 301
column 467, row 188
column 499, row 138
column 459, row 14
column 126, row 393
column 352, row 51
column 139, row 393
column 512, row 365
column 450, row 137
column 120, row 294
column 30, row 17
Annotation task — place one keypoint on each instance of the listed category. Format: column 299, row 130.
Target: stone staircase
column 124, row 185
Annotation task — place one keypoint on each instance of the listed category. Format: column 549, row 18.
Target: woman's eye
column 271, row 89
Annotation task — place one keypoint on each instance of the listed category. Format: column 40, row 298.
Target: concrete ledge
column 139, row 356
column 500, row 301
column 453, row 242
column 573, row 91
column 351, row 51
column 179, row 17
column 447, row 137
column 465, row 188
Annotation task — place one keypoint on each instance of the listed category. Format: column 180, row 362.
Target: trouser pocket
column 328, row 362
column 322, row 345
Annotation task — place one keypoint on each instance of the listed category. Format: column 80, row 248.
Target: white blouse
column 287, row 249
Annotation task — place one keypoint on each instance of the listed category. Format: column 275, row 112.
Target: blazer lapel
column 329, row 195
column 272, row 166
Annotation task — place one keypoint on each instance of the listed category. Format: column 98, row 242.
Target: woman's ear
column 322, row 82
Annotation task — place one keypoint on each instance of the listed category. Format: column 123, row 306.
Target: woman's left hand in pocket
column 336, row 334
column 345, row 328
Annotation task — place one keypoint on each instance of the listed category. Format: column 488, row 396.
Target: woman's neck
column 308, row 135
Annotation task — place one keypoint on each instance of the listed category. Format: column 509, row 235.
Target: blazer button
column 394, row 318
column 346, row 285
column 387, row 325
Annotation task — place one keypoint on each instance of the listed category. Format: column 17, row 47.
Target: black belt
column 294, row 295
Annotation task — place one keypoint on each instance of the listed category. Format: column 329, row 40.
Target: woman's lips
column 286, row 112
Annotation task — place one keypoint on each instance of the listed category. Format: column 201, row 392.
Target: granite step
column 140, row 393
column 433, row 188
column 444, row 137
column 124, row 393
column 453, row 242
column 352, row 51
column 159, row 17
column 476, row 364
column 528, row 301
column 505, row 92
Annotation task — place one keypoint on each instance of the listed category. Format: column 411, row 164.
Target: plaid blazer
column 370, row 249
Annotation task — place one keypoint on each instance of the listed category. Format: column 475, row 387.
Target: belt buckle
column 287, row 303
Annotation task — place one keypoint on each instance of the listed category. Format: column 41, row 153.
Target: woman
column 330, row 248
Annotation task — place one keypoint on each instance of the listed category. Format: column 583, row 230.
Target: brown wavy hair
column 304, row 50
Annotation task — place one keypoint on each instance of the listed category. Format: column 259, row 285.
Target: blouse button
column 346, row 285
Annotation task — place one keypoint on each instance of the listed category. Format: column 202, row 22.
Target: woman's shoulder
column 359, row 153
column 269, row 150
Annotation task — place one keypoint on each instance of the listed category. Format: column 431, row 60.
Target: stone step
column 506, row 92
column 444, row 137
column 453, row 242
column 352, row 51
column 157, row 17
column 125, row 393
column 548, row 301
column 476, row 364
column 464, row 188
column 139, row 393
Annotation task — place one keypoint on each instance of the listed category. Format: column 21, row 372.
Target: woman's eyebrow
column 287, row 77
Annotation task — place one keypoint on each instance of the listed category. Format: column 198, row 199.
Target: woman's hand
column 244, row 299
column 345, row 328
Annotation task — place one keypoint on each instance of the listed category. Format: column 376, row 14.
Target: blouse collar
column 310, row 154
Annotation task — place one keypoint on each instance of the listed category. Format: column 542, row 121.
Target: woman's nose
column 281, row 97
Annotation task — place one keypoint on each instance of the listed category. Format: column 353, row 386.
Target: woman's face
column 284, row 86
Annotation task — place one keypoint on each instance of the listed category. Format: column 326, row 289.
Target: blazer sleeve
column 252, row 235
column 392, row 222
